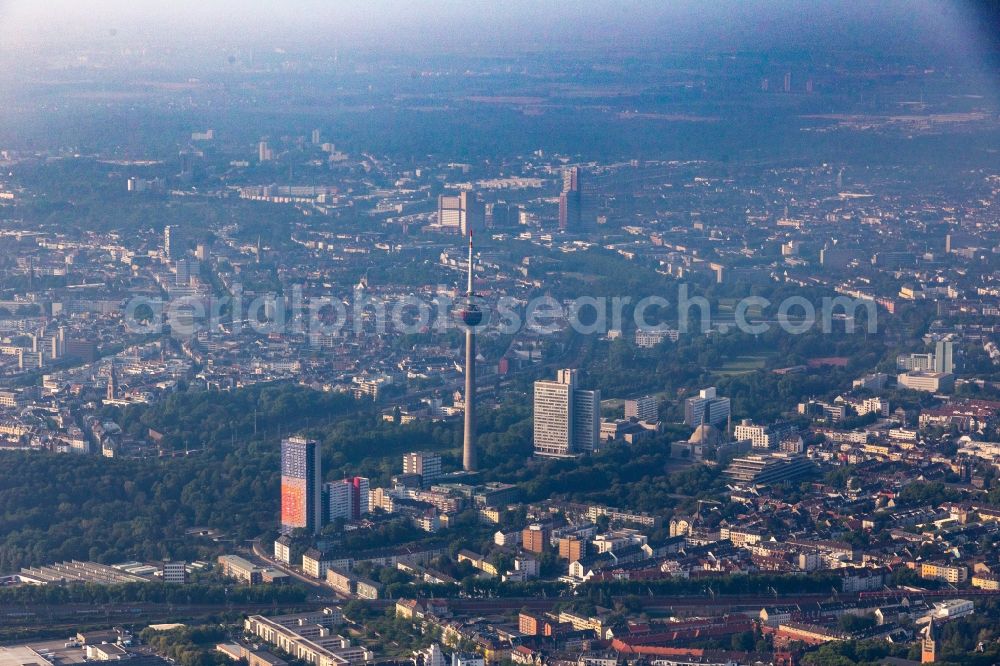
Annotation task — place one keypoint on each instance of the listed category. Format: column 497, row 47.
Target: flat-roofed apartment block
column 309, row 637
column 352, row 585
column 249, row 573
column 951, row 573
column 760, row 436
column 644, row 408
column 174, row 572
column 243, row 570
column 237, row 651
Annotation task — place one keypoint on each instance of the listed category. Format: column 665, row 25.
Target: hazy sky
column 48, row 27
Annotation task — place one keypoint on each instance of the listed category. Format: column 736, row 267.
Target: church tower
column 928, row 645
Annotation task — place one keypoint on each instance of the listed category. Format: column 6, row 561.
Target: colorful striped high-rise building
column 301, row 487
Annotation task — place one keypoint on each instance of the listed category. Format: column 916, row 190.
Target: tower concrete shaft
column 471, row 317
column 469, row 458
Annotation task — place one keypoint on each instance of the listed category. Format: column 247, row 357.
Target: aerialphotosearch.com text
column 360, row 314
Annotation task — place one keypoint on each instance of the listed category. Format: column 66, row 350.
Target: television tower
column 471, row 316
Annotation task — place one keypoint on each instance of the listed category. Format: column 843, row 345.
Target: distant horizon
column 938, row 29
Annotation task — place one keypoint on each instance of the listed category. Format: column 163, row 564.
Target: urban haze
column 565, row 333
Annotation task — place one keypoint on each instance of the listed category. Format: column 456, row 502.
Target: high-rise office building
column 264, row 153
column 182, row 275
column 337, row 498
column 944, row 360
column 347, row 498
column 706, row 407
column 577, row 205
column 569, row 210
column 462, row 213
column 187, row 160
column 84, row 350
column 503, row 215
column 171, row 242
column 360, row 489
column 450, row 211
column 301, row 487
column 586, row 420
column 567, row 419
column 424, row 463
column 643, row 409
column 315, row 137
column 553, row 414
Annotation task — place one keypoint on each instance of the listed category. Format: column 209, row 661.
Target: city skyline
column 559, row 334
